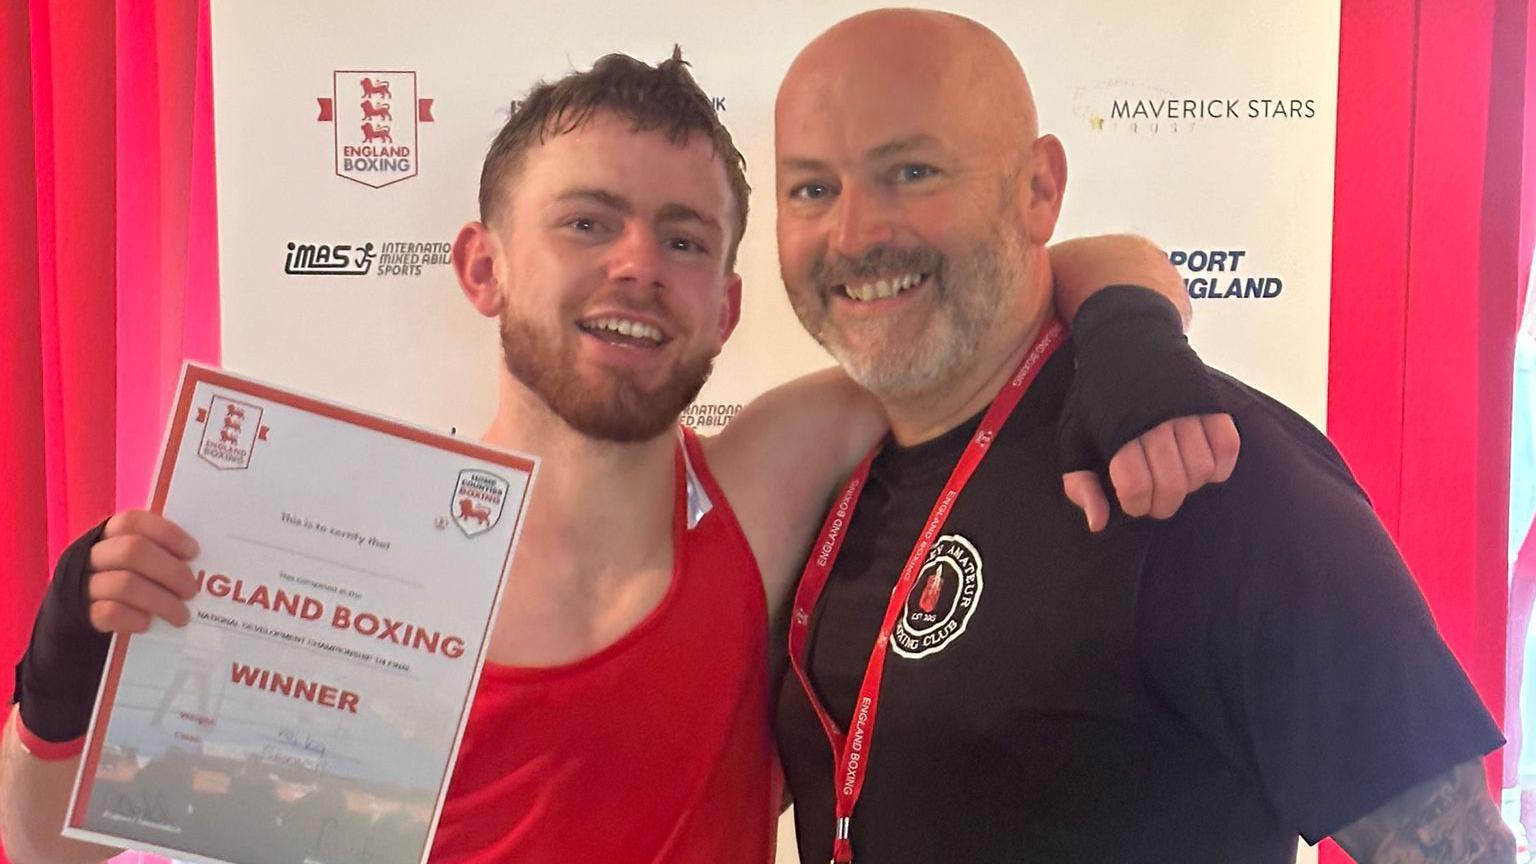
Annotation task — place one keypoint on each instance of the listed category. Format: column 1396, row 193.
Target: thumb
column 1084, row 490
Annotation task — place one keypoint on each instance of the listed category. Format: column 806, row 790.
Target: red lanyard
column 852, row 751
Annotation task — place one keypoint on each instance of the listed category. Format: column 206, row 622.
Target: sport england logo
column 478, row 499
column 1225, row 274
column 230, row 432
column 941, row 602
column 375, row 115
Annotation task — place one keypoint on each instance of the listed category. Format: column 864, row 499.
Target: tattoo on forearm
column 1447, row 820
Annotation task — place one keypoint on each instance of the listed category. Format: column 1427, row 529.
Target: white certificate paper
column 350, row 568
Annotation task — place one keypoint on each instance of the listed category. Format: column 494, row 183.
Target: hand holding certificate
column 348, row 574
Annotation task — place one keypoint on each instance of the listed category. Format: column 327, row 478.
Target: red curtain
column 1528, row 164
column 106, row 192
column 1427, row 276
column 60, row 375
column 23, row 514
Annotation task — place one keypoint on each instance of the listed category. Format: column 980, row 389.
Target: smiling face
column 901, row 311
column 906, row 226
column 608, row 274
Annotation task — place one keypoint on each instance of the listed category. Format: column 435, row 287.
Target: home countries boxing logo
column 942, row 600
column 478, row 499
column 375, row 116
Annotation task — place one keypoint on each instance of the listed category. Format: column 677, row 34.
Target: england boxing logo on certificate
column 230, row 432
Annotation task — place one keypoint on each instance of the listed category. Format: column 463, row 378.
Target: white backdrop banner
column 349, row 146
column 349, row 151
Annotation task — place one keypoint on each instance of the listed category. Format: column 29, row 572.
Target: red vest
column 655, row 749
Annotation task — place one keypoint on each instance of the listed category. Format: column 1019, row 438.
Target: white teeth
column 881, row 289
column 626, row 327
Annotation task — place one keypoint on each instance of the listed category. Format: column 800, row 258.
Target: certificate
column 348, row 575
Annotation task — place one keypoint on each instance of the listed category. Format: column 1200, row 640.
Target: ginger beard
column 968, row 292
column 613, row 407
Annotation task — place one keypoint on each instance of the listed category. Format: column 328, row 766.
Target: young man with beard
column 623, row 714
column 1197, row 690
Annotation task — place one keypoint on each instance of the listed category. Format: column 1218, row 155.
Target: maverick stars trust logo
column 375, row 115
column 942, row 600
column 1135, row 107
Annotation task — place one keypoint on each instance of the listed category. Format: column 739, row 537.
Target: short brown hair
column 663, row 97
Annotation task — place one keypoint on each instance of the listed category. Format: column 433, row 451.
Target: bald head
column 914, row 59
column 915, row 198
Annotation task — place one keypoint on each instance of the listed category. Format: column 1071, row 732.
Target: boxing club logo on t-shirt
column 942, row 599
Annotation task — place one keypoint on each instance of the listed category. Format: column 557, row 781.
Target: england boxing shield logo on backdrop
column 375, row 116
column 478, row 498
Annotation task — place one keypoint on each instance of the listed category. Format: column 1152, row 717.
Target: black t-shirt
column 1196, row 690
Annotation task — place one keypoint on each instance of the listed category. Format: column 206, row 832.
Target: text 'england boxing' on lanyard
column 852, row 751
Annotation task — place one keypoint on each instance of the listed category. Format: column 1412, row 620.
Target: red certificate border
column 193, row 375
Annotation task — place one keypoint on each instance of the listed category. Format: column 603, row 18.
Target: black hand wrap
column 1135, row 370
column 57, row 678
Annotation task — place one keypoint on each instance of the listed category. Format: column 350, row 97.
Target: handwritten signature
column 300, row 741
column 141, row 809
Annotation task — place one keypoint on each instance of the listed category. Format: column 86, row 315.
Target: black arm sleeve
column 1135, row 369
column 57, row 677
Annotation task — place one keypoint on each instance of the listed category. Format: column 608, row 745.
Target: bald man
column 1197, row 690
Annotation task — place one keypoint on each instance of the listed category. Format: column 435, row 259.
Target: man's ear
column 474, row 262
column 1047, row 181
column 730, row 310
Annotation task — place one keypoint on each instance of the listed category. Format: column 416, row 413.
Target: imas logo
column 392, row 257
column 375, row 115
column 942, row 601
column 1137, row 108
column 328, row 259
column 709, row 415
